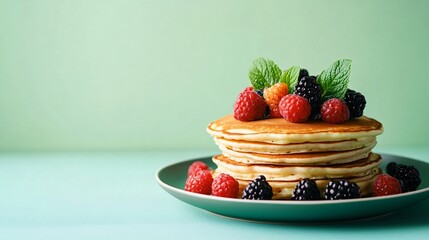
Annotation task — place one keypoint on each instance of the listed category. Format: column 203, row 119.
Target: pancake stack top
column 286, row 152
column 315, row 129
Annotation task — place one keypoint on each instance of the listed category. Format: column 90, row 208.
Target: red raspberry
column 273, row 95
column 386, row 185
column 225, row 185
column 334, row 110
column 200, row 182
column 295, row 108
column 197, row 166
column 249, row 106
column 248, row 89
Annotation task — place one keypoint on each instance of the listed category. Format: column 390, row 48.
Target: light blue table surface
column 114, row 195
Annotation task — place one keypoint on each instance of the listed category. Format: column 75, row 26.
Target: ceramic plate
column 172, row 179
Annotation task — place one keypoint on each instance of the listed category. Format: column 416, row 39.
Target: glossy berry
column 391, row 168
column 258, row 189
column 295, row 108
column 386, row 185
column 197, row 166
column 273, row 95
column 341, row 189
column 334, row 110
column 248, row 89
column 356, row 102
column 302, row 73
column 306, row 189
column 249, row 106
column 200, row 182
column 409, row 176
column 225, row 185
column 308, row 88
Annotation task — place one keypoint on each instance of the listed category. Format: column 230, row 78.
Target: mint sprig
column 264, row 73
column 290, row 77
column 335, row 79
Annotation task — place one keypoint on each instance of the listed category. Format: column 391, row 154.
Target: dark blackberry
column 260, row 93
column 355, row 102
column 267, row 112
column 391, row 168
column 258, row 189
column 341, row 189
column 306, row 189
column 308, row 88
column 409, row 176
column 302, row 73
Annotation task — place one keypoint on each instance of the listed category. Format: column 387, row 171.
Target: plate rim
column 421, row 195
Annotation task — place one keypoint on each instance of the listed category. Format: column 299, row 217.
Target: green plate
column 172, row 179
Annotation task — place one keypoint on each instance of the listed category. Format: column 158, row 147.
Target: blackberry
column 341, row 189
column 302, row 73
column 391, row 168
column 258, row 189
column 408, row 176
column 267, row 112
column 355, row 102
column 260, row 93
column 308, row 88
column 306, row 189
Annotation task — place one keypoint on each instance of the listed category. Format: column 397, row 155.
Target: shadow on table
column 413, row 216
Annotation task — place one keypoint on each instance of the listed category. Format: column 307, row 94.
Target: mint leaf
column 264, row 73
column 290, row 77
column 335, row 79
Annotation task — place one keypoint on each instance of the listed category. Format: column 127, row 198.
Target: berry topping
column 295, row 108
column 306, row 189
column 355, row 102
column 225, row 185
column 386, row 185
column 308, row 88
column 200, row 182
column 258, row 189
column 249, row 106
column 341, row 189
column 302, row 73
column 409, row 176
column 334, row 110
column 248, row 89
column 273, row 95
column 197, row 166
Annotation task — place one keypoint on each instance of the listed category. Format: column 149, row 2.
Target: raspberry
column 334, row 110
column 409, row 176
column 386, row 185
column 306, row 189
column 248, row 89
column 197, row 166
column 308, row 88
column 258, row 189
column 355, row 102
column 249, row 106
column 295, row 108
column 341, row 189
column 273, row 95
column 200, row 182
column 225, row 185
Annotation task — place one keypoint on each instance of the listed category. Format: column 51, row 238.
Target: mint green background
column 131, row 75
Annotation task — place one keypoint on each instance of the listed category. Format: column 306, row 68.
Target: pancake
column 280, row 131
column 286, row 152
column 242, row 171
column 284, row 189
column 267, row 148
column 325, row 158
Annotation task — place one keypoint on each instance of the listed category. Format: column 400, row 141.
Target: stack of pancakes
column 287, row 152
